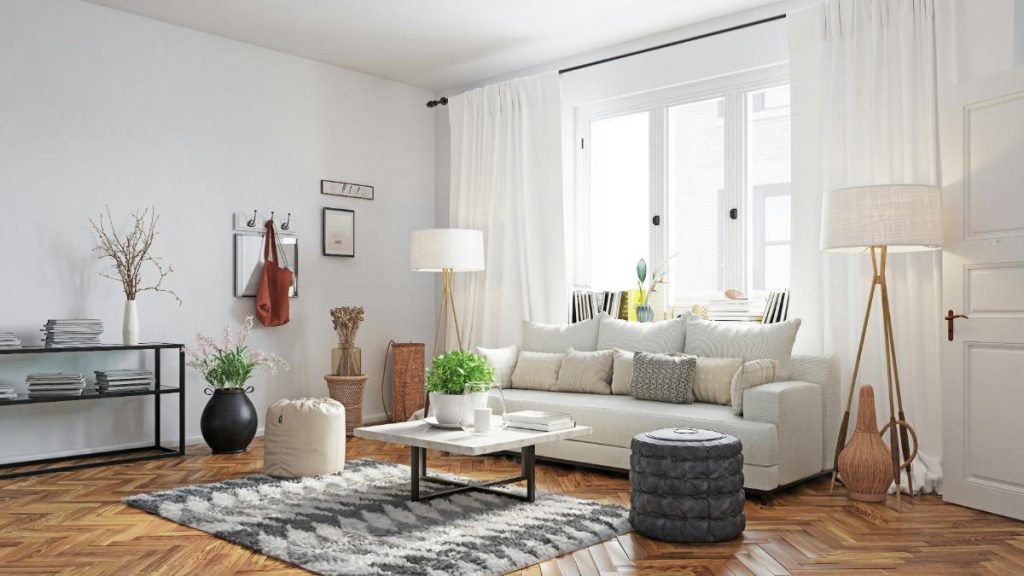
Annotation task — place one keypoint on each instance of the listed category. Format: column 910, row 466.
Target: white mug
column 482, row 420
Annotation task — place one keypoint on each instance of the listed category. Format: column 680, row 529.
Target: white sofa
column 787, row 429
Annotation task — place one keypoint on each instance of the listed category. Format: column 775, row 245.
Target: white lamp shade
column 903, row 217
column 457, row 249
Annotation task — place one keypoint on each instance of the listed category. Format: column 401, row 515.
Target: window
column 700, row 172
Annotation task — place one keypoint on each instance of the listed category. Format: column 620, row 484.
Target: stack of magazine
column 123, row 380
column 55, row 384
column 538, row 420
column 7, row 391
column 8, row 341
column 71, row 333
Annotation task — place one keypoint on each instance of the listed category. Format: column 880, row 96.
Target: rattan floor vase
column 866, row 463
column 349, row 391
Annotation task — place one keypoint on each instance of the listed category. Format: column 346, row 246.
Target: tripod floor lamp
column 882, row 220
column 447, row 250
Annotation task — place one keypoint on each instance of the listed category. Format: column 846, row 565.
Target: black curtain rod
column 443, row 100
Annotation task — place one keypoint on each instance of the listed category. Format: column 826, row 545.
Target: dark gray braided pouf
column 687, row 485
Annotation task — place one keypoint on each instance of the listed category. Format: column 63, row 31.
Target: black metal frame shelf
column 131, row 454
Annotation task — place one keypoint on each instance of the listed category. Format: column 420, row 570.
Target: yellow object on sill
column 634, row 301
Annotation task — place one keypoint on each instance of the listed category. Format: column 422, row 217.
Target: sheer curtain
column 864, row 81
column 506, row 179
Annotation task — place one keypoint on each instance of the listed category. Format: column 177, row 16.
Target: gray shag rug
column 362, row 522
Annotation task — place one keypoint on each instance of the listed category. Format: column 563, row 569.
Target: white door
column 983, row 278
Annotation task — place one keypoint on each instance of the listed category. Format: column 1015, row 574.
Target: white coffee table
column 420, row 436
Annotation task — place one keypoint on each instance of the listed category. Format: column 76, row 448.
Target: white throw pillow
column 587, row 372
column 743, row 340
column 714, row 380
column 539, row 337
column 537, row 370
column 753, row 373
column 503, row 360
column 665, row 337
column 622, row 372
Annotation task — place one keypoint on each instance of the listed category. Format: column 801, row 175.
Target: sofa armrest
column 795, row 408
column 823, row 371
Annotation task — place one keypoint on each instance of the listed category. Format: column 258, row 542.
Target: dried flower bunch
column 346, row 323
column 130, row 252
column 230, row 363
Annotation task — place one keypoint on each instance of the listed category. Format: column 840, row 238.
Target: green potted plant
column 229, row 419
column 446, row 382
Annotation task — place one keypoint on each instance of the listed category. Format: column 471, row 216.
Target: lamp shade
column 458, row 249
column 903, row 217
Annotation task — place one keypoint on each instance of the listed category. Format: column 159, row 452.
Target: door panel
column 983, row 277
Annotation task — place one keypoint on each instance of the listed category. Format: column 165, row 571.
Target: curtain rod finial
column 442, row 101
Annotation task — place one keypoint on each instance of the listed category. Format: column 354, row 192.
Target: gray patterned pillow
column 663, row 378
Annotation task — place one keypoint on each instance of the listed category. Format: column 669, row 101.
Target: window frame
column 734, row 240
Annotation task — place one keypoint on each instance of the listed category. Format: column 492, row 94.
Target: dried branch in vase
column 131, row 251
column 346, row 323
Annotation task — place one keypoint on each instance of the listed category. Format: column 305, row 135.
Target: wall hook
column 252, row 222
column 287, row 222
column 271, row 216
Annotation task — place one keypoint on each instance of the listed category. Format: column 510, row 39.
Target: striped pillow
column 753, row 373
column 664, row 337
column 743, row 340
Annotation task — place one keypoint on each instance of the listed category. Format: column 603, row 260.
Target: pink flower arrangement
column 230, row 363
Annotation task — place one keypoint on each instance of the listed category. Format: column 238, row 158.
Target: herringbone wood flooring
column 73, row 523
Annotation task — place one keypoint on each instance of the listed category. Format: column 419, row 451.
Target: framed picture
column 346, row 189
column 339, row 232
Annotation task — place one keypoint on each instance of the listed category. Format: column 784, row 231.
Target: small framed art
column 346, row 189
column 339, row 232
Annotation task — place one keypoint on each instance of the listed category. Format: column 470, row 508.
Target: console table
column 129, row 454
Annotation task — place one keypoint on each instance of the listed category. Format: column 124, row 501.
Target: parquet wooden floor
column 73, row 523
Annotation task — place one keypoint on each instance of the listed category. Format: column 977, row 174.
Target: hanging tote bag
column 275, row 282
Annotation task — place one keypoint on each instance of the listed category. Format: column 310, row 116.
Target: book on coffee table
column 540, row 420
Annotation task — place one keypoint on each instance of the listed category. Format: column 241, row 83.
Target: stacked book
column 587, row 304
column 8, row 341
column 123, row 380
column 55, row 384
column 538, row 420
column 7, row 392
column 741, row 310
column 776, row 308
column 71, row 333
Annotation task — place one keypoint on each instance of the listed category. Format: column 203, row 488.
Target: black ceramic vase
column 229, row 421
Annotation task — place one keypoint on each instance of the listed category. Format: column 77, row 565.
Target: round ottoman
column 686, row 485
column 304, row 437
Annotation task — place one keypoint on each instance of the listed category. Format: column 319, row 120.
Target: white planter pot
column 449, row 409
column 130, row 327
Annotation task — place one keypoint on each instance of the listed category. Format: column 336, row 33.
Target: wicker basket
column 407, row 371
column 349, row 391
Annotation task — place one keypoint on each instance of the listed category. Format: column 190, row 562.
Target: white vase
column 450, row 409
column 130, row 327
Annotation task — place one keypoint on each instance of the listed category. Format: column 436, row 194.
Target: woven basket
column 407, row 371
column 349, row 391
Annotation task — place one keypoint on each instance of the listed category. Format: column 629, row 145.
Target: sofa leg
column 764, row 498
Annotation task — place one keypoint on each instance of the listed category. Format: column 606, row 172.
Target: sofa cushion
column 743, row 340
column 589, row 372
column 503, row 360
column 714, row 379
column 537, row 370
column 753, row 373
column 663, row 378
column 582, row 336
column 622, row 372
column 616, row 419
column 663, row 337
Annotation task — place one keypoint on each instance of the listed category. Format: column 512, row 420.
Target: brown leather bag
column 275, row 282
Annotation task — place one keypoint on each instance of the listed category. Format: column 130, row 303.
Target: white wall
column 99, row 107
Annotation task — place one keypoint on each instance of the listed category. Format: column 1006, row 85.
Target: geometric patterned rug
column 362, row 522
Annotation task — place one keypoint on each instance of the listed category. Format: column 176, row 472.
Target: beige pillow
column 753, row 373
column 588, row 372
column 713, row 382
column 537, row 370
column 503, row 360
column 622, row 372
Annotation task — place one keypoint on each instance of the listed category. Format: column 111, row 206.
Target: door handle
column 950, row 317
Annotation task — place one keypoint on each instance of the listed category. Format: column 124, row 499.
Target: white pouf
column 304, row 437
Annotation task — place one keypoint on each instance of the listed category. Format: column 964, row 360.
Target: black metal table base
column 528, row 475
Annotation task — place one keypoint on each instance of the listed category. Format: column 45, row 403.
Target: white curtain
column 506, row 179
column 864, row 81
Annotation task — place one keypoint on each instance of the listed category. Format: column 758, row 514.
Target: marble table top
column 419, row 433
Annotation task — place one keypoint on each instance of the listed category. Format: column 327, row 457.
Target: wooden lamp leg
column 904, row 436
column 894, row 445
column 841, row 441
